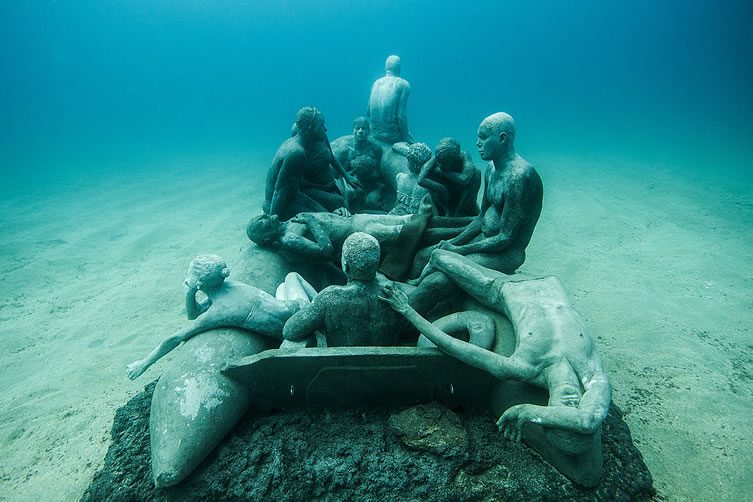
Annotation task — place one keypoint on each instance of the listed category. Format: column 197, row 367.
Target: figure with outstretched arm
column 554, row 348
column 510, row 208
column 229, row 304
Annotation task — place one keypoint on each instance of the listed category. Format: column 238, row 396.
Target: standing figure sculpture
column 351, row 315
column 553, row 350
column 510, row 208
column 388, row 105
column 302, row 175
column 452, row 180
column 229, row 303
column 361, row 156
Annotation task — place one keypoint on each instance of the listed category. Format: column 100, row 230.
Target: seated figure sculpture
column 452, row 180
column 361, row 156
column 301, row 177
column 554, row 348
column 510, row 209
column 229, row 303
column 320, row 236
column 388, row 105
column 350, row 315
column 409, row 193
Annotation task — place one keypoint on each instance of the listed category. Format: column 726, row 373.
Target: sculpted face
column 490, row 143
column 361, row 132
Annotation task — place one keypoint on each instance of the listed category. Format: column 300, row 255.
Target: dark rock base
column 356, row 455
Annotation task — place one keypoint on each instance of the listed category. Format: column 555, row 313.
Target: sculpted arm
column 494, row 364
column 291, row 165
column 207, row 322
column 466, row 175
column 193, row 308
column 402, row 113
column 586, row 418
column 428, row 183
column 304, row 322
column 321, row 247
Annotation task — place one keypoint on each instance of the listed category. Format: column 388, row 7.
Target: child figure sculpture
column 229, row 304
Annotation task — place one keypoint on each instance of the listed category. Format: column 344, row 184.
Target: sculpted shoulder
column 291, row 148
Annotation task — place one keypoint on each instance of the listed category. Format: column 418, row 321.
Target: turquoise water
column 88, row 81
column 152, row 123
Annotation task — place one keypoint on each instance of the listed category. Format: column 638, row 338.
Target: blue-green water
column 86, row 81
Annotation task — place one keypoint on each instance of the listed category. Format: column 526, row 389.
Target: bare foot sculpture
column 229, row 304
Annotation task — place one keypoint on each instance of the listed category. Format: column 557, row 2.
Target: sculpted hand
column 353, row 181
column 512, row 421
column 395, row 298
column 447, row 245
column 135, row 369
column 342, row 211
column 299, row 218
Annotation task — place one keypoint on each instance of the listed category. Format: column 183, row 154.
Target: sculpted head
column 496, row 136
column 360, row 256
column 363, row 165
column 392, row 65
column 309, row 122
column 361, row 128
column 264, row 229
column 447, row 150
column 418, row 154
column 207, row 271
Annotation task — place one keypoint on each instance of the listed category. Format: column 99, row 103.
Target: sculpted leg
column 477, row 281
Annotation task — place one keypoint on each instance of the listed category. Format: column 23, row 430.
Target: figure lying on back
column 320, row 236
column 553, row 349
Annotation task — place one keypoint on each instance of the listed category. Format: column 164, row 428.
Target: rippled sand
column 658, row 260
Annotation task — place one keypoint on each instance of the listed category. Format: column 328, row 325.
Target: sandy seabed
column 659, row 261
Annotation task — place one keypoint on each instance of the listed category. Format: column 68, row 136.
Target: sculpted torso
column 386, row 106
column 518, row 185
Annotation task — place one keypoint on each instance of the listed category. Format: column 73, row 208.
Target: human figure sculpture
column 553, row 350
column 388, row 105
column 350, row 315
column 361, row 156
column 229, row 304
column 301, row 177
column 409, row 193
column 510, row 208
column 452, row 180
column 320, row 236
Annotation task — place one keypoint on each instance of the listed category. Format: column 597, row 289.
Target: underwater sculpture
column 510, row 209
column 452, row 180
column 229, row 303
column 388, row 105
column 335, row 308
column 302, row 175
column 361, row 156
column 554, row 350
column 320, row 236
column 409, row 193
